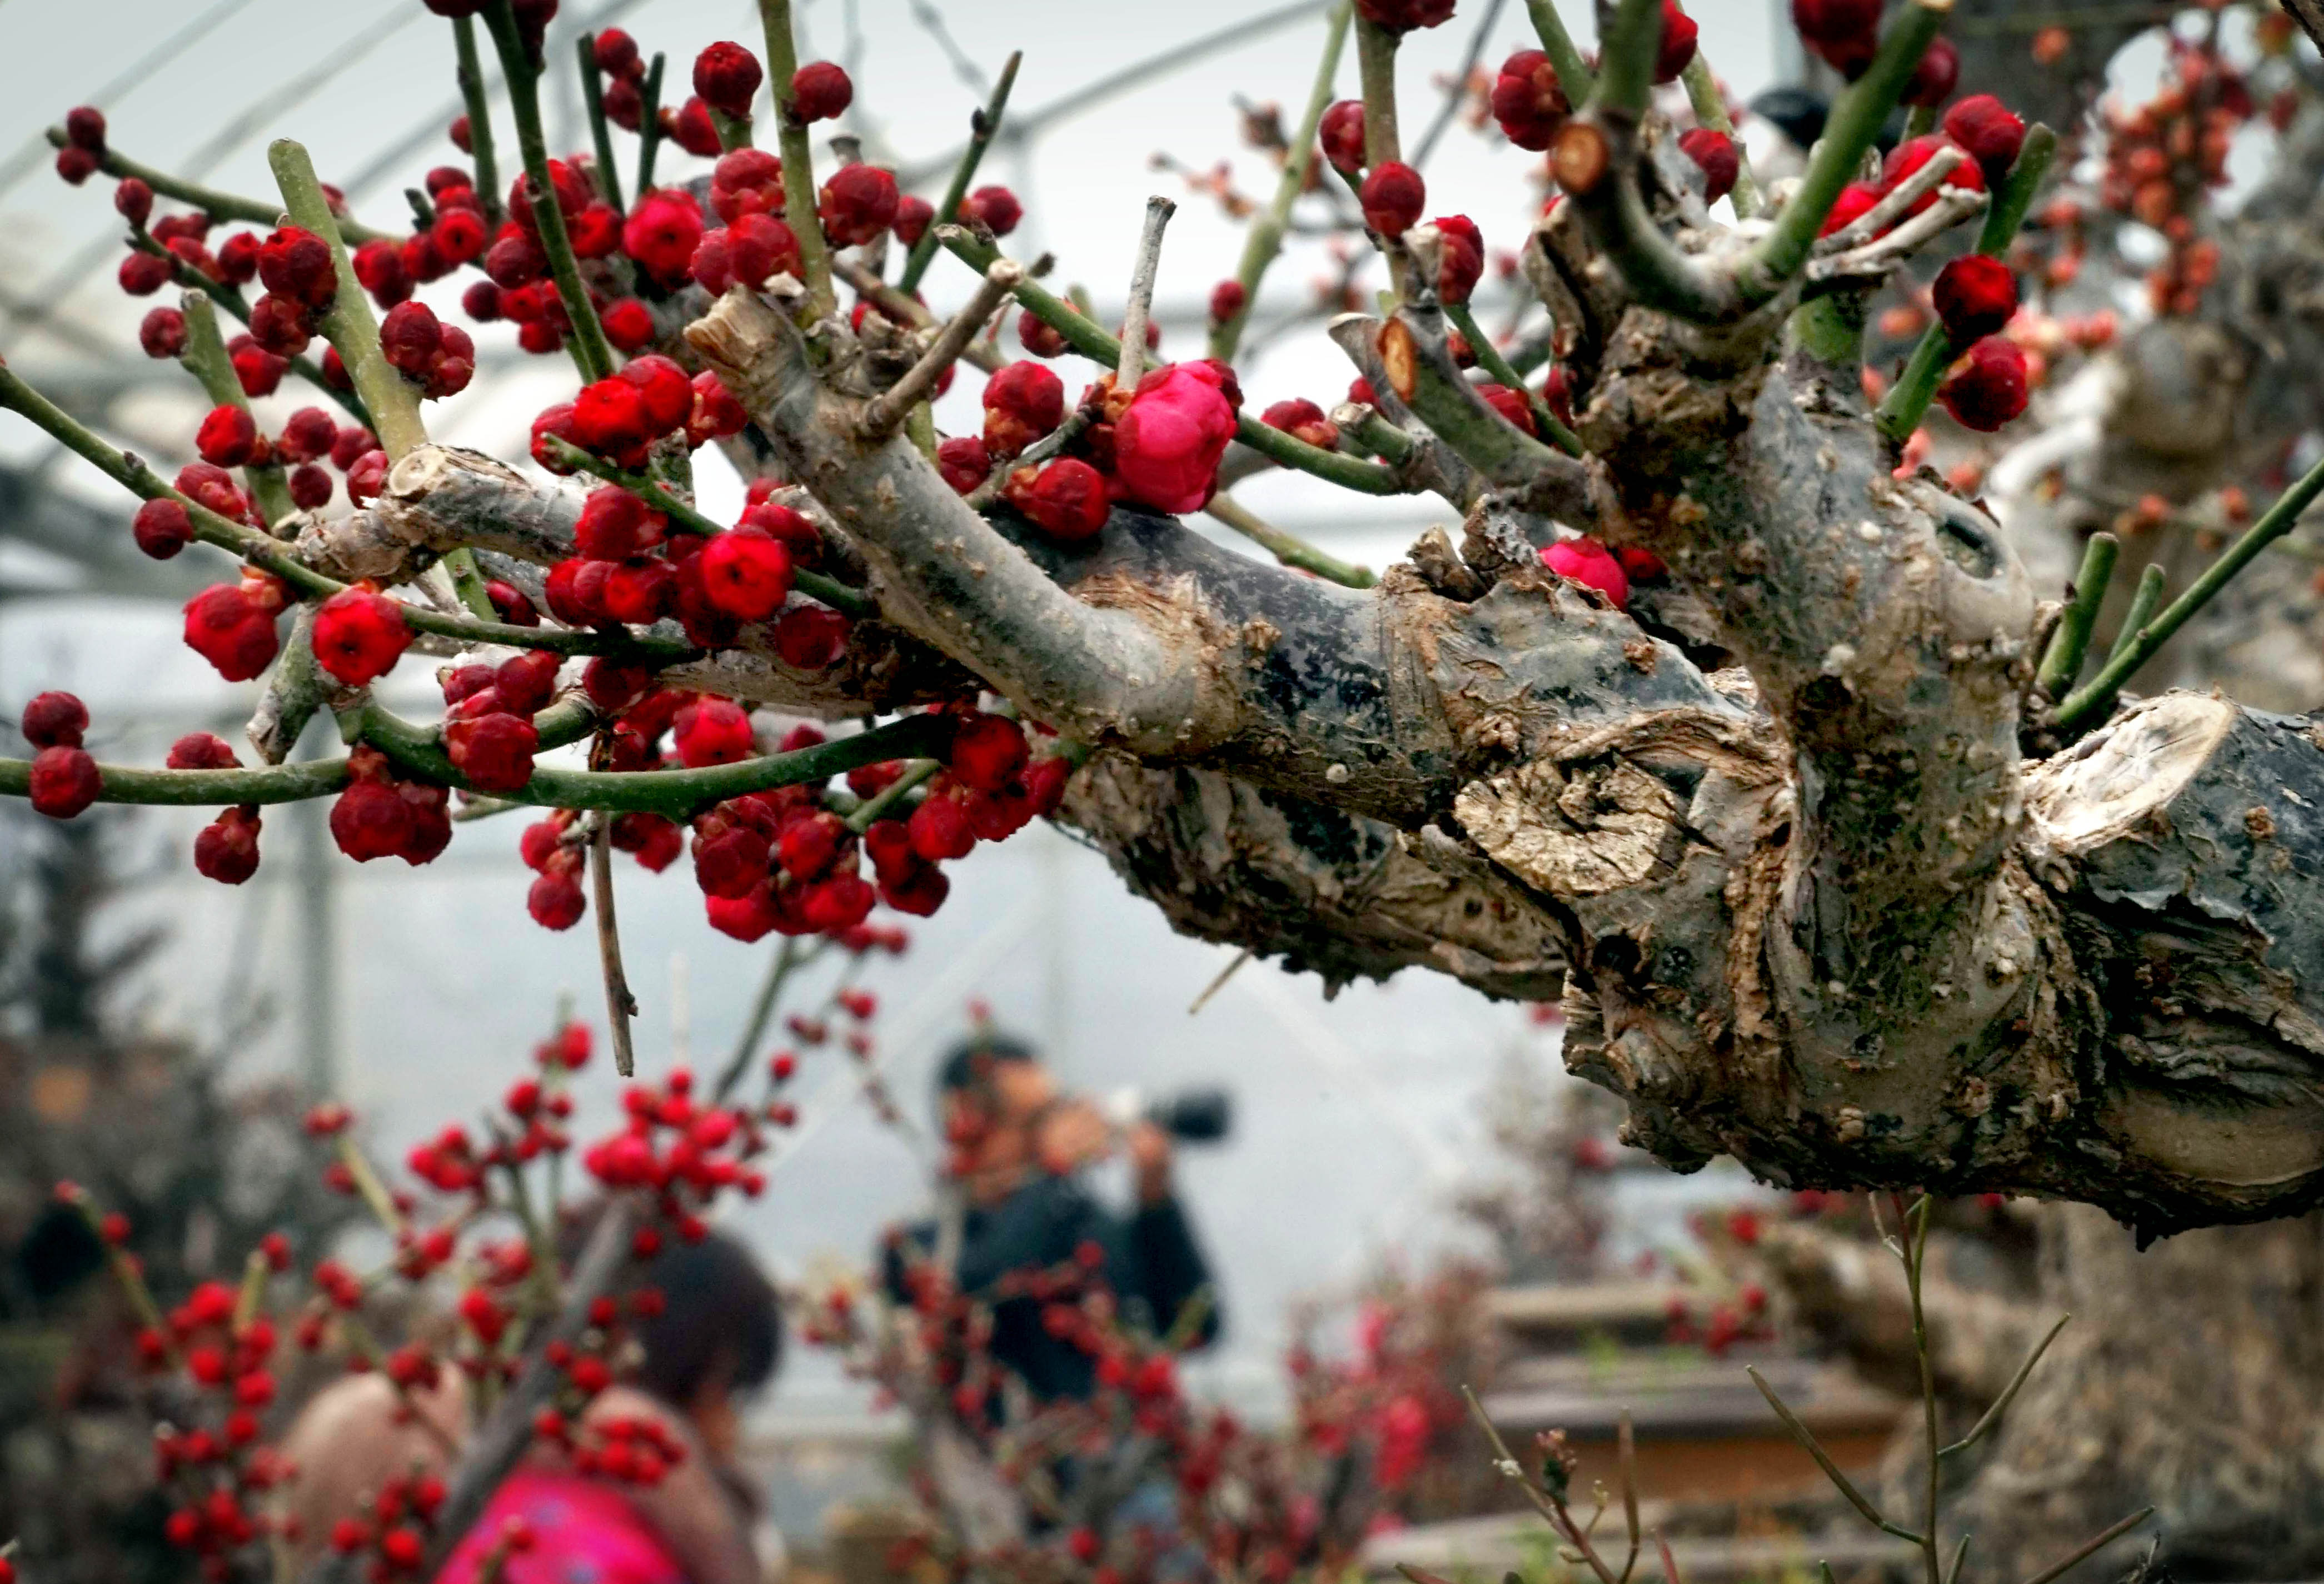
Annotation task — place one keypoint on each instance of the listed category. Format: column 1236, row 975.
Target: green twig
column 2144, row 601
column 1375, row 69
column 1806, row 1438
column 650, row 124
column 216, row 205
column 814, row 584
column 2092, row 1547
column 1489, row 356
column 1625, row 62
column 1573, row 74
column 788, row 960
column 1901, row 409
column 1992, row 1417
column 480, row 120
column 205, row 358
column 1288, row 548
column 914, row 775
column 798, row 155
column 1086, row 338
column 601, row 130
column 592, row 355
column 2275, row 523
column 392, row 401
column 1855, row 122
column 2062, row 665
column 1264, row 241
column 982, row 127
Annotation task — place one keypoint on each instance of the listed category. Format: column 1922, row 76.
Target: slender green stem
column 216, row 205
column 2144, row 601
column 1992, row 1415
column 283, row 782
column 2092, row 1547
column 1960, row 1555
column 2275, row 523
column 1573, row 74
column 814, row 584
column 798, row 156
column 1086, row 338
column 601, row 130
column 1855, row 122
column 650, row 124
column 1289, row 549
column 480, row 119
column 983, row 127
column 916, row 774
column 1920, row 121
column 1376, row 435
column 205, row 358
column 788, row 960
column 392, row 399
column 1711, row 110
column 1498, row 366
column 1626, row 64
column 592, row 355
column 1264, row 241
column 679, row 794
column 2062, row 666
column 733, row 130
column 1902, row 409
column 1915, row 1253
column 1375, row 69
column 1840, row 1482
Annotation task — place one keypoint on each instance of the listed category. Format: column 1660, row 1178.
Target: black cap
column 965, row 1065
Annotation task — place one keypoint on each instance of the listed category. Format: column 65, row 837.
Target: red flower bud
column 228, row 436
column 857, row 204
column 162, row 333
column 987, row 753
column 296, row 264
column 662, row 232
column 1845, row 33
column 1529, row 101
column 963, row 461
column 1399, row 16
column 1676, row 47
column 811, row 637
column 1975, row 296
column 494, row 751
column 712, row 732
column 1585, row 560
column 1066, row 498
column 1984, row 126
column 1341, row 132
column 1393, row 197
column 1460, row 257
column 1023, row 401
column 912, row 216
column 64, row 781
column 727, row 77
column 995, row 209
column 1303, row 419
column 1986, row 386
column 746, row 573
column 54, row 720
column 1167, row 444
column 820, row 91
column 1715, row 152
column 227, row 848
column 359, row 635
column 143, row 273
column 747, row 181
column 84, row 128
column 228, row 626
column 1906, row 158
column 617, row 54
column 628, row 323
column 162, row 528
column 1854, row 199
column 133, row 201
column 1934, row 77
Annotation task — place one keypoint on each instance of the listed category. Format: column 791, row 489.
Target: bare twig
column 1892, row 207
column 1845, row 1486
column 1133, row 364
column 1287, row 548
column 2092, row 1547
column 2009, row 1394
column 621, row 1006
column 885, row 413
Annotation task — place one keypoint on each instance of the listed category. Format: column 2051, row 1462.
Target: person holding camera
column 1017, row 1204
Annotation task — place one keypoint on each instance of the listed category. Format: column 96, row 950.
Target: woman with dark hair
column 717, row 1340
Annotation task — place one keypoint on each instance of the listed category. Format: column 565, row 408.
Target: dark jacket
column 1150, row 1263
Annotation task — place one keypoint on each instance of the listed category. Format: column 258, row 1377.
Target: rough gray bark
column 1808, row 920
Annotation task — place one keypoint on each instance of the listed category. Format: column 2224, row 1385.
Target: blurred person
column 1019, row 1147
column 717, row 1341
